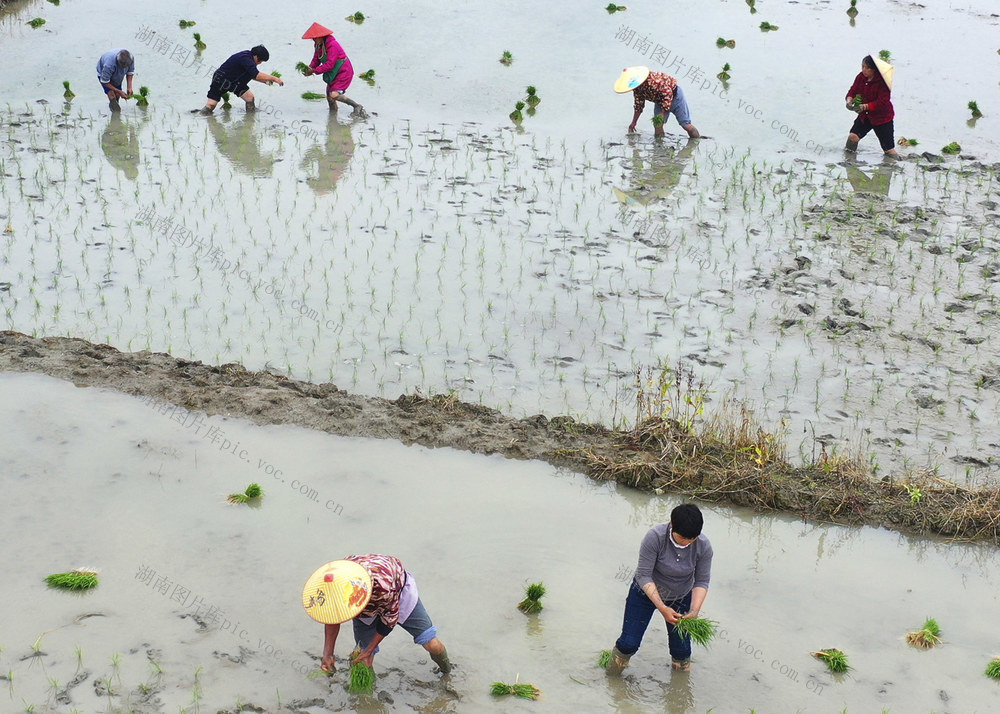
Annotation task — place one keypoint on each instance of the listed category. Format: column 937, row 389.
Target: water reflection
column 875, row 183
column 654, row 172
column 326, row 163
column 120, row 144
column 239, row 142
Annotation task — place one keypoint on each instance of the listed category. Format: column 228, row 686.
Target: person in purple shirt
column 234, row 76
column 112, row 68
column 672, row 576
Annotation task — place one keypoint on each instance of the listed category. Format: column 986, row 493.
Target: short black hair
column 261, row 53
column 869, row 63
column 686, row 520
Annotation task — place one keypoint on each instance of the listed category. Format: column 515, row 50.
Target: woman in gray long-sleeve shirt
column 675, row 565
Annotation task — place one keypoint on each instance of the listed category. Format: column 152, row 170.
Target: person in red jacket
column 869, row 96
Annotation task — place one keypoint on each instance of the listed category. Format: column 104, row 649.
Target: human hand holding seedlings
column 367, row 655
column 270, row 79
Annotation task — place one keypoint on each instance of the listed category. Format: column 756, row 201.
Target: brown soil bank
column 730, row 461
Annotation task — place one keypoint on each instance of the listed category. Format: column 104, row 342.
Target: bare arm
column 264, row 77
column 330, row 633
column 698, row 596
column 669, row 614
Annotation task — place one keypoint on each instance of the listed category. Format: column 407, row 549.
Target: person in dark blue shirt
column 234, row 76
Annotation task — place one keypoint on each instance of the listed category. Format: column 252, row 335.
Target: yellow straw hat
column 885, row 69
column 631, row 78
column 337, row 592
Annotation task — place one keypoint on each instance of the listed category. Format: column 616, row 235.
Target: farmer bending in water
column 330, row 61
column 870, row 97
column 112, row 68
column 663, row 91
column 377, row 593
column 234, row 76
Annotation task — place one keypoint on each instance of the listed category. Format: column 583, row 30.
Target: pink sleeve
column 334, row 52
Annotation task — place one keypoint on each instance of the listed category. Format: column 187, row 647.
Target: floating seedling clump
column 311, row 95
column 612, row 8
column 753, row 6
column 79, row 579
column 927, row 636
column 533, row 98
column 533, row 593
column 357, row 18
column 724, row 74
column 723, row 42
column 362, row 678
column 853, row 9
column 198, row 44
column 885, row 55
column 993, row 668
column 368, row 76
column 903, row 141
column 701, row 630
column 834, row 659
column 253, row 491
column 68, row 93
column 952, row 148
column 604, row 659
column 142, row 98
column 36, row 23
column 184, row 24
column 506, row 58
column 767, row 27
column 516, row 116
column 524, row 691
column 974, row 108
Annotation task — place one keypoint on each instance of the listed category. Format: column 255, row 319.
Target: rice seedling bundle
column 142, row 99
column 356, row 18
column 533, row 99
column 853, row 10
column 79, row 579
column 362, row 678
column 301, row 67
column 198, row 44
column 724, row 74
column 612, row 8
column 952, row 148
column 604, row 659
column 368, row 76
column 311, row 95
column 700, row 629
column 184, row 24
column 834, row 659
column 532, row 600
column 767, row 27
column 926, row 637
column 974, row 108
column 252, row 491
column 993, row 668
column 506, row 58
column 36, row 23
column 524, row 691
column 885, row 55
column 68, row 94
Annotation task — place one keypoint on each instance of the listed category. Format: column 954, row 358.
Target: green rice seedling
column 142, row 98
column 612, row 8
column 301, row 67
column 701, row 630
column 524, row 691
column 724, row 74
column 993, row 668
column 276, row 73
column 858, row 100
column 834, row 659
column 659, row 120
column 927, row 636
column 68, row 93
column 767, row 26
column 362, row 678
column 198, row 44
column 184, row 24
column 974, row 108
column 506, row 58
column 532, row 598
column 368, row 76
column 78, row 579
column 252, row 491
column 723, row 42
column 55, row 2
column 885, row 55
column 225, row 101
column 312, row 95
column 952, row 148
column 853, row 9
column 357, row 18
column 516, row 115
column 533, row 99
column 36, row 23
column 604, row 659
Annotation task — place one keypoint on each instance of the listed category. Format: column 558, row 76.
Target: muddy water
column 99, row 479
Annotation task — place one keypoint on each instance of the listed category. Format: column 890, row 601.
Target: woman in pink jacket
column 331, row 61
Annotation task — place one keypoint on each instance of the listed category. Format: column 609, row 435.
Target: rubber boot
column 442, row 661
column 851, row 146
column 618, row 662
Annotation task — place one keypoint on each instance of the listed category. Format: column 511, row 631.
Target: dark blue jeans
column 638, row 611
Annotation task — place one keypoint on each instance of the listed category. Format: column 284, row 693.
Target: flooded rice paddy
column 532, row 268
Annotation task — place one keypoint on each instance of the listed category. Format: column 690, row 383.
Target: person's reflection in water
column 120, row 144
column 655, row 175
column 239, row 142
column 876, row 184
column 328, row 161
column 678, row 697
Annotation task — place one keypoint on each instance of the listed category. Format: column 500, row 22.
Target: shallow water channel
column 97, row 478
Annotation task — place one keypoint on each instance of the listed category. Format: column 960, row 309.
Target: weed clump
column 252, row 491
column 78, row 579
column 524, row 691
column 362, row 678
column 926, row 637
column 952, row 148
column 532, row 598
column 834, row 659
column 701, row 630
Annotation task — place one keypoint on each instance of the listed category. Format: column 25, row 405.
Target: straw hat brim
column 337, row 592
column 631, row 78
column 885, row 69
column 316, row 30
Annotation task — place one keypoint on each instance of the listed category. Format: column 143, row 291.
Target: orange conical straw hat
column 316, row 30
